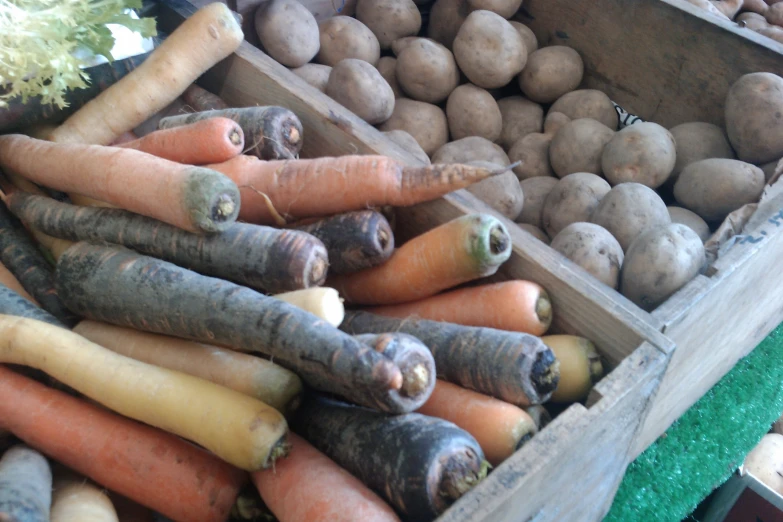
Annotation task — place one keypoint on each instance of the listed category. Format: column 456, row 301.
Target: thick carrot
column 117, row 286
column 25, row 485
column 512, row 366
column 309, row 487
column 354, row 240
column 239, row 429
column 207, row 141
column 499, row 427
column 419, row 464
column 210, row 35
column 75, row 500
column 518, row 306
column 303, row 188
column 257, row 256
column 271, row 133
column 253, row 376
column 320, row 301
column 11, row 303
column 192, row 198
column 200, row 99
column 580, row 366
column 461, row 250
column 147, row 465
column 8, row 279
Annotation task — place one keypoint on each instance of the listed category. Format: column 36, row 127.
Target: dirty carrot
column 309, row 487
column 145, row 464
column 25, row 485
column 580, row 366
column 75, row 500
column 458, row 251
column 511, row 366
column 321, row 301
column 12, row 303
column 518, row 306
column 265, row 258
column 8, row 279
column 253, row 376
column 118, row 286
column 200, row 99
column 241, row 430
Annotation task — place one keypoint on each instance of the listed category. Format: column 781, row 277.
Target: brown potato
column 696, row 141
column 572, row 200
column 659, row 262
column 754, row 117
column 641, row 153
column 389, row 19
column 360, row 88
column 527, row 34
column 400, row 44
column 519, row 117
column 551, row 72
column 315, row 74
column 424, row 121
column 472, row 111
column 536, row 191
column 713, row 188
column 472, row 148
column 409, row 143
column 288, row 32
column 532, row 151
column 683, row 216
column 345, row 37
column 555, row 121
column 489, row 51
column 628, row 210
column 501, row 192
column 446, row 17
column 577, row 147
column 593, row 248
column 387, row 66
column 587, row 103
column 426, row 71
column 504, row 8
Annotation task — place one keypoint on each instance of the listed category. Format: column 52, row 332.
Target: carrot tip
column 544, row 310
column 498, row 240
column 415, row 381
column 458, row 478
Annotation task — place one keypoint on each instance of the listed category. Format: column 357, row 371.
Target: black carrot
column 11, row 303
column 25, row 486
column 200, row 99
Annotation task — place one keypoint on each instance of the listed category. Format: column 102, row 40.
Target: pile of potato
column 763, row 16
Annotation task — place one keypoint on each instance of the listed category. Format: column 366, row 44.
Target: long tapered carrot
column 8, row 279
column 310, row 487
column 303, row 188
column 519, row 306
column 200, row 99
column 145, row 464
column 239, row 429
column 25, row 486
column 453, row 253
column 120, row 287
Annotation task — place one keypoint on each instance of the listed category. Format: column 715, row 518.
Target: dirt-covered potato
column 628, row 210
column 472, row 111
column 659, row 262
column 593, row 248
column 287, row 31
column 315, row 74
column 535, row 231
column 572, row 200
column 360, row 88
column 527, row 34
column 489, row 51
column 389, row 19
column 501, row 192
column 587, row 103
column 519, row 117
column 754, row 117
column 536, row 191
column 683, row 216
column 641, row 153
column 345, row 37
column 409, row 143
column 446, row 17
column 425, row 122
column 551, row 72
column 532, row 151
column 713, row 188
column 578, row 145
column 426, row 71
column 696, row 141
column 387, row 66
column 472, row 148
column 505, row 8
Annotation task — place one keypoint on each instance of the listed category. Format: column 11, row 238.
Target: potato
column 572, row 200
column 400, row 44
column 683, row 216
column 425, row 122
column 641, row 153
column 696, row 141
column 446, row 17
column 315, row 74
column 287, row 31
column 593, row 248
column 577, row 147
column 628, row 210
column 389, row 19
column 501, row 192
column 551, row 72
column 360, row 88
column 528, row 36
column 765, row 461
column 387, row 66
column 754, row 117
column 536, row 191
column 345, row 37
column 659, row 262
column 713, row 188
column 472, row 111
column 426, row 71
column 519, row 117
column 472, row 148
column 555, row 121
column 409, row 143
column 532, row 151
column 489, row 50
column 587, row 103
column 504, row 8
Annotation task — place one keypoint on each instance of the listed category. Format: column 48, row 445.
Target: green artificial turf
column 707, row 444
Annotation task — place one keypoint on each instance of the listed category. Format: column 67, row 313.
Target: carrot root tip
column 235, row 137
column 415, row 381
column 459, row 477
column 545, row 374
column 280, row 450
column 499, row 241
column 544, row 310
column 383, row 239
column 318, row 272
column 224, row 209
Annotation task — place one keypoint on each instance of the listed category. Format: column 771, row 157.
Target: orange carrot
column 453, row 253
column 308, row 486
column 318, row 187
column 518, row 306
column 8, row 279
column 500, row 428
column 206, row 141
